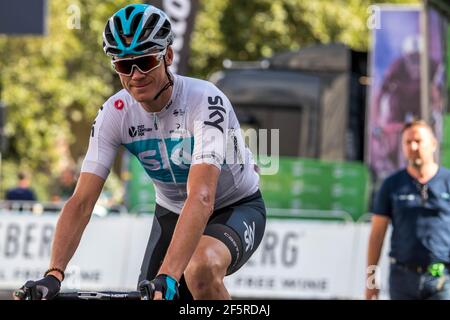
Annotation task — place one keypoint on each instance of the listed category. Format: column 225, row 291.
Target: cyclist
column 209, row 216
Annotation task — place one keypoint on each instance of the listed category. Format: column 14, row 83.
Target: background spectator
column 22, row 192
column 415, row 201
column 64, row 186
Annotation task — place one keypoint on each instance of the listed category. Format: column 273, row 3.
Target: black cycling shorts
column 239, row 226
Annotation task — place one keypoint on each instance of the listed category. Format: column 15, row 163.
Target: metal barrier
column 366, row 217
column 38, row 208
column 32, row 207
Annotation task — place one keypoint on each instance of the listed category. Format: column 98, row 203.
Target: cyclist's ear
column 169, row 56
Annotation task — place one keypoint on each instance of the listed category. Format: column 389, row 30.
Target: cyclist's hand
column 44, row 289
column 163, row 286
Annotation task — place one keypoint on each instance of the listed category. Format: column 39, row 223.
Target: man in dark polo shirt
column 22, row 192
column 417, row 202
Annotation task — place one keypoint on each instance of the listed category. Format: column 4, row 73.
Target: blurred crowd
column 62, row 188
column 23, row 198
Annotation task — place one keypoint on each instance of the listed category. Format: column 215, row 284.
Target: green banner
column 301, row 185
column 309, row 184
column 445, row 145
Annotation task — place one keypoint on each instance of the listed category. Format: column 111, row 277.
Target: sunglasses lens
column 145, row 64
column 123, row 66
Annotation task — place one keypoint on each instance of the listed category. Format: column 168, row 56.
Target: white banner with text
column 297, row 259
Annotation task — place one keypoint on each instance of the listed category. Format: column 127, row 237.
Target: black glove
column 45, row 288
column 163, row 283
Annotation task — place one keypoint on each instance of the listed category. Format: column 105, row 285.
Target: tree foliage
column 51, row 83
column 251, row 30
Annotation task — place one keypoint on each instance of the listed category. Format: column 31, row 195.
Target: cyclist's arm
column 201, row 188
column 73, row 219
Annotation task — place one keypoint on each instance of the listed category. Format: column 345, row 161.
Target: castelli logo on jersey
column 118, row 104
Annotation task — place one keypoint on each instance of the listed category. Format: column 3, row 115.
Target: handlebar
column 99, row 295
column 88, row 295
column 96, row 295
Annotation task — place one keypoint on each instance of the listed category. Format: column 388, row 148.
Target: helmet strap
column 168, row 84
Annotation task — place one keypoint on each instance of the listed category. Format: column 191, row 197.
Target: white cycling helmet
column 148, row 27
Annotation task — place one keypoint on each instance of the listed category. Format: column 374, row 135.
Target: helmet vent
column 148, row 27
column 146, row 46
column 118, row 25
column 114, row 51
column 119, row 29
column 135, row 23
column 163, row 31
column 128, row 11
column 109, row 36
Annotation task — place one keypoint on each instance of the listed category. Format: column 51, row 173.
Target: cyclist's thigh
column 240, row 227
column 164, row 223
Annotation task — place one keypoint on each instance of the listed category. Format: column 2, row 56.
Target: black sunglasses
column 423, row 190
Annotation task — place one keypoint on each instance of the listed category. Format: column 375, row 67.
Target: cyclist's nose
column 136, row 73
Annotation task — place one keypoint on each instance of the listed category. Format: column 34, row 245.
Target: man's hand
column 44, row 289
column 372, row 294
column 163, row 287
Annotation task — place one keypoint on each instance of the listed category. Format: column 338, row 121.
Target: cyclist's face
column 144, row 86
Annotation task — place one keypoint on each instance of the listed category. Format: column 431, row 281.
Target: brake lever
column 147, row 290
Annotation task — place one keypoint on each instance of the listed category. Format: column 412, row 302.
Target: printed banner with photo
column 395, row 91
column 395, row 95
column 437, row 25
column 448, row 58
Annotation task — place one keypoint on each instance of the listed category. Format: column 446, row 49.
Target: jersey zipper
column 165, row 150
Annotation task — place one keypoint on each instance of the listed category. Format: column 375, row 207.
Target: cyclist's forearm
column 69, row 229
column 187, row 234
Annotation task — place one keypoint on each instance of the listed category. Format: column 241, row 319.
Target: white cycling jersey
column 197, row 126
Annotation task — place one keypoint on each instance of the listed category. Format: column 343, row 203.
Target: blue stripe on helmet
column 126, row 25
column 139, row 8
